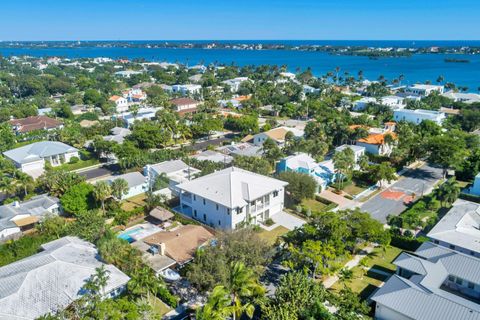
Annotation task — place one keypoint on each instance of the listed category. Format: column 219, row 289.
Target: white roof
column 214, row 156
column 300, row 160
column 52, row 279
column 232, row 187
column 460, row 226
column 38, row 150
column 420, row 111
column 425, row 86
column 354, row 148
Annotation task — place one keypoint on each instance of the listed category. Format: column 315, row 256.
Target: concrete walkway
column 285, row 220
column 342, row 202
column 330, row 281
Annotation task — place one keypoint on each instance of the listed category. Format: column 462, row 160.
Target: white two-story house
column 232, row 197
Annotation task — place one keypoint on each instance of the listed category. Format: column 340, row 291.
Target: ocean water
column 417, row 68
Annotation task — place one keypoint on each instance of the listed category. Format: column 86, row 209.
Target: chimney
column 161, row 249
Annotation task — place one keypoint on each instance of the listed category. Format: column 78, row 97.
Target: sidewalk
column 330, row 281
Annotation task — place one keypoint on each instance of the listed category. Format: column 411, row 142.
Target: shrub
column 73, row 160
column 409, row 244
column 167, row 297
column 269, row 222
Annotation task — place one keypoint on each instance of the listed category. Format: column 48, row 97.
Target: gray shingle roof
column 37, row 151
column 460, row 226
column 52, row 279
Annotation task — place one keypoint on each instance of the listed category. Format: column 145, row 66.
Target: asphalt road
column 418, row 181
column 95, row 173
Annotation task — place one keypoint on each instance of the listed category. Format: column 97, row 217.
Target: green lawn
column 272, row 236
column 134, row 202
column 365, row 283
column 313, row 205
column 78, row 165
column 353, row 189
column 158, row 306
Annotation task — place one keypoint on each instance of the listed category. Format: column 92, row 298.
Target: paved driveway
column 287, row 220
column 395, row 199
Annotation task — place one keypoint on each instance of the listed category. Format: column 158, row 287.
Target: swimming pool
column 126, row 235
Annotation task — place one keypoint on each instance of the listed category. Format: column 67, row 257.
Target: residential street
column 394, row 200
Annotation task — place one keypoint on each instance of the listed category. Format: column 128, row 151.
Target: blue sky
column 241, row 19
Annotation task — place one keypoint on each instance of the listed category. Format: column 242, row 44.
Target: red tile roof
column 35, row 123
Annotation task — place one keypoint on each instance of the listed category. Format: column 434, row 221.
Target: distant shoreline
column 374, row 49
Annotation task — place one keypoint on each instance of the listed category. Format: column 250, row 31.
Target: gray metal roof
column 36, row 206
column 52, row 279
column 37, row 151
column 169, row 166
column 232, row 187
column 421, row 296
column 415, row 302
column 133, row 179
column 460, row 226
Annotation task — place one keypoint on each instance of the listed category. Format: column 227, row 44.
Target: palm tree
column 345, row 275
column 343, row 162
column 7, row 185
column 24, row 180
column 449, row 191
column 134, row 110
column 144, row 282
column 243, row 285
column 218, row 306
column 102, row 192
column 119, row 188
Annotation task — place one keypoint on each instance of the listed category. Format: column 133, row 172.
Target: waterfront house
column 121, row 104
column 17, row 217
column 459, row 229
column 231, row 197
column 53, row 279
column 433, row 283
column 424, row 89
column 29, row 124
column 32, row 158
column 418, row 115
